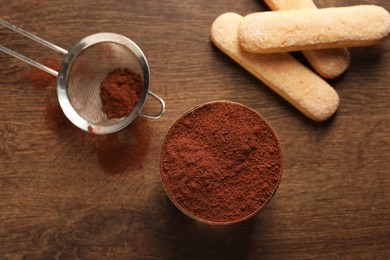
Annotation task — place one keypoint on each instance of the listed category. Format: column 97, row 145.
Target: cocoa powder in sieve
column 120, row 92
column 221, row 162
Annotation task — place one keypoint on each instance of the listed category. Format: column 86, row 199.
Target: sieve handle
column 28, row 61
column 159, row 114
column 34, row 38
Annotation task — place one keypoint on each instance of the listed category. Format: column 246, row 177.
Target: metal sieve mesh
column 87, row 72
column 84, row 68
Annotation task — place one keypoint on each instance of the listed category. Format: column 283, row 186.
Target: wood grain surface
column 69, row 195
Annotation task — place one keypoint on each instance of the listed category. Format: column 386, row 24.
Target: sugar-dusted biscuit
column 329, row 63
column 293, row 30
column 304, row 89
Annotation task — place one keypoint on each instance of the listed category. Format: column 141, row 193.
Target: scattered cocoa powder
column 40, row 79
column 117, row 154
column 221, row 162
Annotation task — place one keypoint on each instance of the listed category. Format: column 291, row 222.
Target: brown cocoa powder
column 118, row 154
column 120, row 92
column 221, row 162
column 40, row 79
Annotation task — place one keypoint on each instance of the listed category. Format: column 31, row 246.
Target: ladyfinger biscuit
column 292, row 30
column 290, row 5
column 329, row 63
column 304, row 89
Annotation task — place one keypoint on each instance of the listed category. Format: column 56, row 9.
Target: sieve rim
column 63, row 74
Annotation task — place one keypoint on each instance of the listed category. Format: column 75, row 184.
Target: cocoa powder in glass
column 221, row 162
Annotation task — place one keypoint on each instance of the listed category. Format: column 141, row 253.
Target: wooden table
column 65, row 194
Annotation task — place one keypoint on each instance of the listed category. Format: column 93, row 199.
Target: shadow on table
column 189, row 239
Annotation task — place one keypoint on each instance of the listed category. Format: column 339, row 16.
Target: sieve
column 81, row 72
